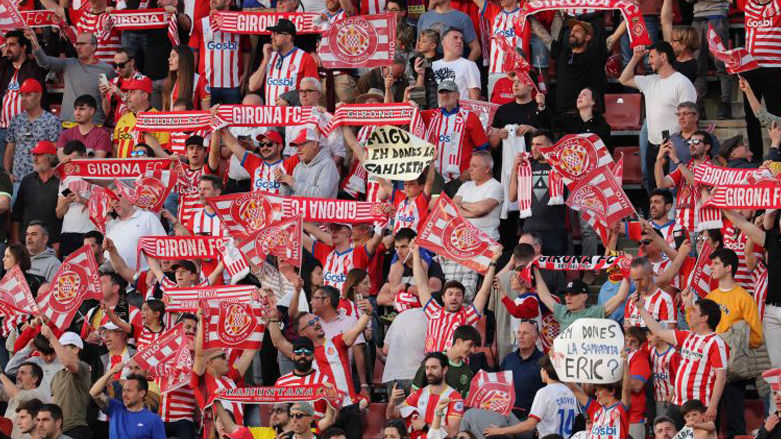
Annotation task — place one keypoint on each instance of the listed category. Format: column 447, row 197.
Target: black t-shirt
column 687, row 69
column 6, row 187
column 773, row 246
column 513, row 113
column 544, row 218
column 576, row 71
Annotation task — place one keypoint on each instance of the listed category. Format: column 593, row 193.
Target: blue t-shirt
column 124, row 424
column 610, row 289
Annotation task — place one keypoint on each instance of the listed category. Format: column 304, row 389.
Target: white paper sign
column 395, row 154
column 589, row 351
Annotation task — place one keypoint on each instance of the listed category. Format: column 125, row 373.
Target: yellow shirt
column 737, row 304
column 126, row 136
column 263, row 432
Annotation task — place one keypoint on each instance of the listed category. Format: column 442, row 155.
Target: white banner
column 395, row 154
column 589, row 351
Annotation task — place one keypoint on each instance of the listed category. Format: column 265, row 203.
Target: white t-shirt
column 463, row 71
column 76, row 219
column 406, row 340
column 555, row 408
column 471, row 193
column 662, row 97
column 126, row 234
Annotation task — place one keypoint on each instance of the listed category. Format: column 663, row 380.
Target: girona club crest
column 236, row 322
column 494, row 396
column 576, row 159
column 461, row 239
column 70, row 168
column 253, row 211
column 68, row 288
column 354, row 40
column 149, row 193
column 588, row 198
column 550, row 330
column 272, row 241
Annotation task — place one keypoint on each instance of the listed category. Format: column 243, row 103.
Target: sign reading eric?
column 589, row 351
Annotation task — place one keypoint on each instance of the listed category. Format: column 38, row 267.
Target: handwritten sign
column 395, row 154
column 589, row 351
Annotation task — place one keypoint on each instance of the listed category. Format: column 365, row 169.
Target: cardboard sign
column 394, row 154
column 589, row 351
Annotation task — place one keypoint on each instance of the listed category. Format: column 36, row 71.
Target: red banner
column 600, row 201
column 737, row 60
column 17, row 303
column 10, row 18
column 144, row 19
column 245, row 213
column 173, row 121
column 77, row 279
column 257, row 23
column 162, row 350
column 110, row 168
column 359, row 41
column 762, row 194
column 492, row 391
column 150, row 190
column 99, row 206
column 281, row 239
column 582, row 263
column 232, row 325
column 272, row 395
column 181, row 247
column 187, row 299
column 449, row 234
column 268, row 116
column 709, row 174
column 485, row 111
column 700, row 279
column 576, row 155
column 377, row 115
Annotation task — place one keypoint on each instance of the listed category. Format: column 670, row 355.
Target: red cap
column 272, row 135
column 503, row 91
column 143, row 84
column 44, row 147
column 31, row 86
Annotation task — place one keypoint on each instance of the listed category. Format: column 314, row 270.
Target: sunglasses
column 304, row 91
column 266, row 144
column 305, row 352
column 645, row 242
column 694, row 141
column 299, row 415
column 312, row 322
column 139, row 153
column 120, row 65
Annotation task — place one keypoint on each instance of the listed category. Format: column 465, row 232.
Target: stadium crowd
column 400, row 330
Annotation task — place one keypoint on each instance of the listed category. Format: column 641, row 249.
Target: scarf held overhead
column 257, row 23
column 144, row 20
column 110, row 168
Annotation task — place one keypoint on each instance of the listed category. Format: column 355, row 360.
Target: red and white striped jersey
column 409, row 213
column 285, row 72
column 12, row 101
column 663, row 366
column 263, row 179
column 332, row 18
column 502, row 26
column 763, row 31
column 188, row 182
column 315, row 377
column 204, row 223
column 659, row 304
column 422, row 403
column 660, row 267
column 178, row 139
column 178, row 405
column 701, row 357
column 735, row 240
column 359, row 184
column 92, row 23
column 687, row 198
column 336, row 265
column 759, row 279
column 219, row 54
column 456, row 134
column 608, row 422
column 144, row 336
column 207, row 384
column 332, row 358
column 441, row 324
column 370, row 7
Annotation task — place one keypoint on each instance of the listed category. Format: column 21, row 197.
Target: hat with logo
column 305, row 134
column 44, row 147
column 272, row 135
column 71, row 339
column 143, row 83
column 447, row 85
column 576, row 286
column 31, row 85
column 283, row 26
column 503, row 91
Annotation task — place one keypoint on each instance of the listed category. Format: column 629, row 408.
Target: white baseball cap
column 306, row 134
column 110, row 326
column 72, row 339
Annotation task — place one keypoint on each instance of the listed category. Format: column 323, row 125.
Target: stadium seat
column 481, row 328
column 754, row 414
column 633, row 172
column 623, row 112
column 6, row 426
column 374, row 420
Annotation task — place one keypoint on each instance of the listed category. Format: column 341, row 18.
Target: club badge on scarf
column 281, row 239
column 150, row 190
column 257, row 23
column 737, row 60
column 576, row 155
column 232, row 325
column 449, row 234
column 359, row 41
column 600, row 200
column 77, row 279
column 492, row 391
column 162, row 350
column 10, row 18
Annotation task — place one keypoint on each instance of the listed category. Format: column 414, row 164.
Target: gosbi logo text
column 604, row 430
column 286, row 82
column 505, row 33
column 265, row 184
column 235, row 323
column 230, row 45
column 334, row 278
column 759, row 23
column 444, row 138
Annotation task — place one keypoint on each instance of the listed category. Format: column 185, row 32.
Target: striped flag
column 77, row 279
column 600, row 200
column 700, row 278
column 492, row 391
column 162, row 350
column 618, row 169
column 10, row 18
column 188, row 205
column 359, row 41
column 449, row 234
column 232, row 325
column 16, row 299
column 150, row 190
column 576, row 155
column 281, row 239
column 737, row 60
column 187, row 299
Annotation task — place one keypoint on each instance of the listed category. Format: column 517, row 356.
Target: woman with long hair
column 183, row 81
column 357, row 285
column 17, row 254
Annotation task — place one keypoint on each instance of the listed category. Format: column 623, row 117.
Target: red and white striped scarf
column 377, row 115
column 47, row 18
column 257, row 23
column 525, row 186
column 173, row 121
column 110, row 168
column 143, row 19
column 196, row 247
column 555, row 188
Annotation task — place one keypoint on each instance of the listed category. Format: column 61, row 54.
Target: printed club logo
column 493, row 396
column 272, row 241
column 587, row 198
column 70, row 168
column 354, row 41
column 149, row 192
column 68, row 286
column 236, row 322
column 575, row 159
column 550, row 330
column 461, row 240
column 253, row 211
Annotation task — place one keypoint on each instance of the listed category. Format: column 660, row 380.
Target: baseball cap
column 44, row 147
column 110, row 326
column 283, row 26
column 375, row 93
column 71, row 339
column 303, row 407
column 584, row 24
column 187, row 265
column 303, row 343
column 272, row 135
column 447, row 85
column 576, row 286
column 143, row 83
column 503, row 91
column 304, row 135
column 729, row 145
column 31, row 85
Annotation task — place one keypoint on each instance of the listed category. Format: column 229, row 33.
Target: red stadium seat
column 374, row 421
column 633, row 172
column 481, row 328
column 624, row 111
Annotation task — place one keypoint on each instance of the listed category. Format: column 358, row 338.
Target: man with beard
column 661, row 202
column 580, row 63
column 418, row 408
column 664, row 91
column 25, row 418
column 36, row 198
column 262, row 169
column 304, row 374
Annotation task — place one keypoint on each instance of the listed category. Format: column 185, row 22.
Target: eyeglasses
column 299, row 415
column 694, row 141
column 120, row 65
column 223, row 356
column 266, row 144
column 645, row 242
column 312, row 322
column 304, row 352
column 304, row 91
column 139, row 153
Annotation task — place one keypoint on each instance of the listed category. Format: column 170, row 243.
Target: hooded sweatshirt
column 45, row 264
column 317, row 179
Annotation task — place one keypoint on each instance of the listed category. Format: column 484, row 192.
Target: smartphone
column 666, row 135
column 679, row 236
column 425, row 63
column 103, row 79
column 65, row 192
column 418, row 95
column 358, row 296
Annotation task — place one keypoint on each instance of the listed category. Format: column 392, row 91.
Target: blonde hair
column 687, row 36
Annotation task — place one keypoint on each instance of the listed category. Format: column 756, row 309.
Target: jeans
column 83, row 432
column 350, row 421
column 224, row 95
column 180, row 429
column 135, row 41
column 3, row 132
column 726, row 81
column 764, row 82
column 654, row 28
column 650, row 156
